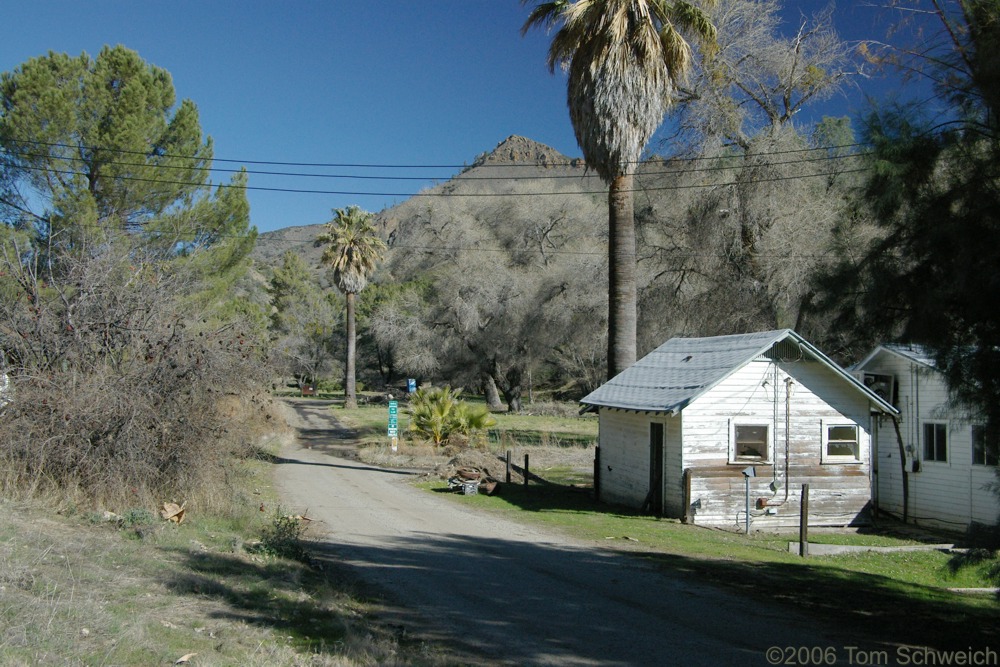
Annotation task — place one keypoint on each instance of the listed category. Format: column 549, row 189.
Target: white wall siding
column 624, row 438
column 673, row 471
column 839, row 492
column 983, row 500
column 949, row 494
column 625, row 454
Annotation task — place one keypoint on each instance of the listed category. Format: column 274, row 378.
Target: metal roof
column 915, row 353
column 679, row 371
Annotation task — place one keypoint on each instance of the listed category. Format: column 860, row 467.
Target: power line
column 571, row 163
column 259, row 188
column 460, row 176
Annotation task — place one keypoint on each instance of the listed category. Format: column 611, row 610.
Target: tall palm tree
column 624, row 59
column 353, row 250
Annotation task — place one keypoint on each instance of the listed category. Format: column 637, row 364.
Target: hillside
column 515, row 250
column 517, row 166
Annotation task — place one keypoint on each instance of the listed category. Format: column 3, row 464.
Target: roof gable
column 917, row 354
column 670, row 377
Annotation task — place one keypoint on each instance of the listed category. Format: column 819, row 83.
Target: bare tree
column 515, row 291
column 405, row 334
column 758, row 80
column 757, row 211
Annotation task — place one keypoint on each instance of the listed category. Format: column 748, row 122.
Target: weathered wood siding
column 624, row 438
column 673, row 468
column 948, row 494
column 699, row 440
column 839, row 492
column 625, row 459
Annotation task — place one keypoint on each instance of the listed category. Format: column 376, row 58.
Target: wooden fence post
column 508, row 466
column 686, row 480
column 804, row 522
column 526, row 473
column 597, row 473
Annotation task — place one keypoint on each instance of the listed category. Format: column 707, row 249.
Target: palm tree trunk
column 622, row 295
column 350, row 386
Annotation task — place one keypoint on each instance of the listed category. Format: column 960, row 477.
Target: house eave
column 644, row 409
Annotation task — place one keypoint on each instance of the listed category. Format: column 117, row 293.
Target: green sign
column 393, row 430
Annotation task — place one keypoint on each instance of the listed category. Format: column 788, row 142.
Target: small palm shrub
column 437, row 413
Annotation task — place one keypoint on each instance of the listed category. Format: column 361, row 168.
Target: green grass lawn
column 370, row 421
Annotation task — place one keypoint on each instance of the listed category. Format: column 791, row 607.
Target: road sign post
column 393, row 429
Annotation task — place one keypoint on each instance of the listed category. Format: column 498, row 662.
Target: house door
column 655, row 498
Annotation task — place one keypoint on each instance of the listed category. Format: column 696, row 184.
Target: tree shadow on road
column 905, row 612
column 283, row 460
column 307, row 602
column 322, row 609
column 867, row 611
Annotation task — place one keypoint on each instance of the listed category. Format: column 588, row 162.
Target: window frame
column 769, row 437
column 988, row 458
column 826, row 426
column 929, row 456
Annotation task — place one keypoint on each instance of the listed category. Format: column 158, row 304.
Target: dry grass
column 77, row 589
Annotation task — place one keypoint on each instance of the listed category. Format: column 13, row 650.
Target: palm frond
column 625, row 59
column 353, row 248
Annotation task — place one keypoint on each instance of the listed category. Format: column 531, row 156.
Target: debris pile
column 469, row 480
column 475, row 471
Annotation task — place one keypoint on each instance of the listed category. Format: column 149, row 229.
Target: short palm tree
column 625, row 59
column 353, row 250
column 437, row 413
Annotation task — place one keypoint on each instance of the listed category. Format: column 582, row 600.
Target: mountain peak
column 517, row 149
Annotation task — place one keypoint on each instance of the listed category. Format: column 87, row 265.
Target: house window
column 935, row 441
column 840, row 443
column 981, row 455
column 750, row 443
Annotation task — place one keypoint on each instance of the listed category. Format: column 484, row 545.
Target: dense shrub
column 115, row 388
column 438, row 413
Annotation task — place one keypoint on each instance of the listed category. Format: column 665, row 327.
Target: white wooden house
column 938, row 453
column 682, row 427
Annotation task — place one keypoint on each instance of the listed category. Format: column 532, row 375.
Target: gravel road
column 508, row 594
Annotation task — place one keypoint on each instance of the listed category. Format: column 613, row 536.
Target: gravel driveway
column 504, row 593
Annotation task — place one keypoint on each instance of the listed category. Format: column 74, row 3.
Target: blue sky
column 351, row 82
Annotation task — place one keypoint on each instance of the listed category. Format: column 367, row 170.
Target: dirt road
column 511, row 594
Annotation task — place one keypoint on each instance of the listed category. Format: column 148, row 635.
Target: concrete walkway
column 837, row 549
